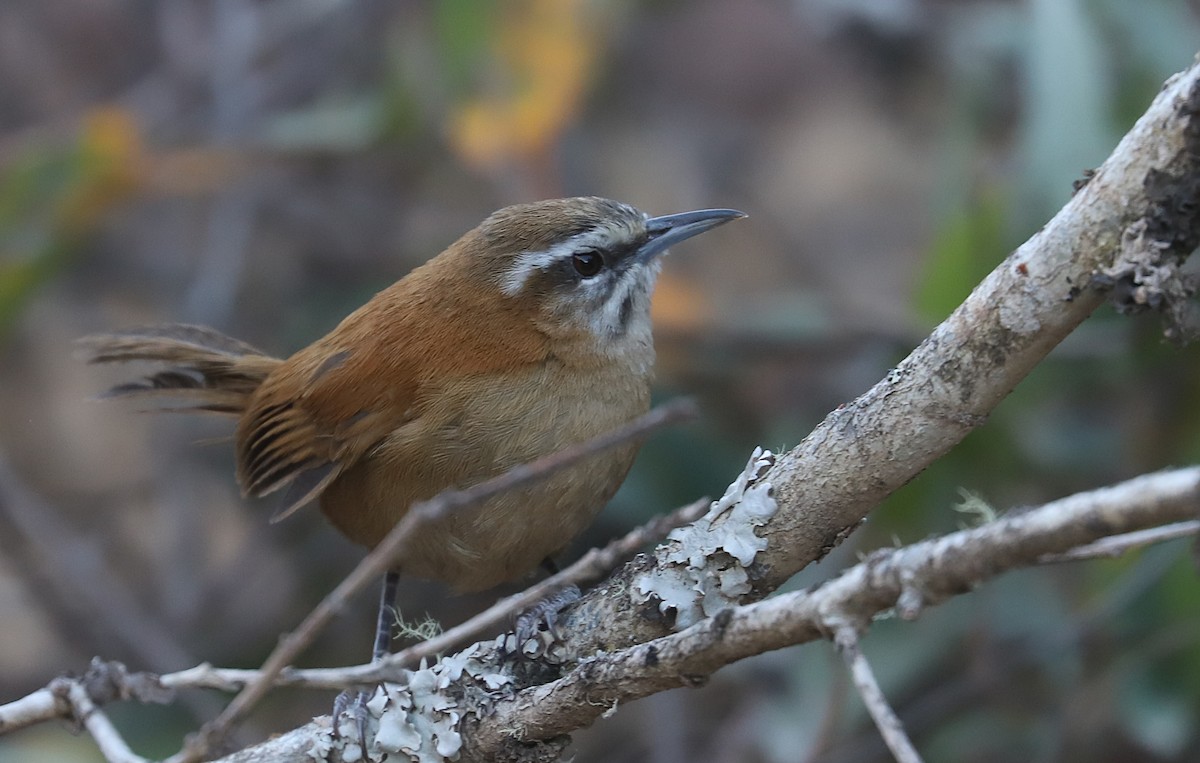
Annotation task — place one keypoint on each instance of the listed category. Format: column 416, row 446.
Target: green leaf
column 969, row 245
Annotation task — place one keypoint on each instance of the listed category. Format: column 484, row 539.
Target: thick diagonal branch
column 1143, row 196
column 907, row 579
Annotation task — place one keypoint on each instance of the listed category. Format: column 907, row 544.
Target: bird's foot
column 542, row 617
column 351, row 717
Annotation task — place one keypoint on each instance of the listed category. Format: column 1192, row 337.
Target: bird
column 530, row 333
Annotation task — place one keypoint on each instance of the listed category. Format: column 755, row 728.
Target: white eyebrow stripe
column 525, row 263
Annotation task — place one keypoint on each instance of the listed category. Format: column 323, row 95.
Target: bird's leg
column 356, row 701
column 387, row 615
column 544, row 614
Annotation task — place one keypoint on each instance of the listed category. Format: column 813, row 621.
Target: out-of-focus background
column 264, row 166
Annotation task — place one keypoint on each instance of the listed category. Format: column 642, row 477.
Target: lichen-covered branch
column 44, row 705
column 505, row 724
column 906, row 580
column 1121, row 235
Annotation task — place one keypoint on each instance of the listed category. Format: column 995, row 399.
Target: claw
column 355, row 703
column 543, row 616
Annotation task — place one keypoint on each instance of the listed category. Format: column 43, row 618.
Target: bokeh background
column 263, row 166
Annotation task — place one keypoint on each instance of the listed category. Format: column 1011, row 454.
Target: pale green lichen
column 420, row 717
column 701, row 568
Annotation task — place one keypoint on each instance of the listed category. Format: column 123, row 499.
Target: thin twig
column 104, row 681
column 43, row 705
column 39, row 706
column 1119, row 544
column 591, row 566
column 108, row 739
column 886, row 720
column 938, row 568
column 57, row 558
column 381, row 558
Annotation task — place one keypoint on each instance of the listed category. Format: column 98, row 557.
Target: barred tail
column 205, row 369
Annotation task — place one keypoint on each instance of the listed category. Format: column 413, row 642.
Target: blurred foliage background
column 263, row 166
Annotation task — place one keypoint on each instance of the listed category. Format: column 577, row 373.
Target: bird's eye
column 587, row 263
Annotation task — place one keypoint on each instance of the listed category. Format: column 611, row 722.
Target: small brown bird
column 528, row 334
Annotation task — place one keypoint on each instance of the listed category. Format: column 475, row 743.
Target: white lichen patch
column 322, row 745
column 701, row 569
column 1019, row 318
column 419, row 718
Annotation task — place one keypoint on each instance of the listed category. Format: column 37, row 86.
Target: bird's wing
column 328, row 406
column 316, row 416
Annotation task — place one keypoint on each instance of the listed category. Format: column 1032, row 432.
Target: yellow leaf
column 541, row 58
column 110, row 165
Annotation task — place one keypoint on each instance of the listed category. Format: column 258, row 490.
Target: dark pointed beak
column 669, row 230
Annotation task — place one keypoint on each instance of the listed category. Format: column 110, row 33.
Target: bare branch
column 79, row 698
column 591, row 566
column 846, row 638
column 908, row 579
column 43, row 705
column 108, row 739
column 1119, row 544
